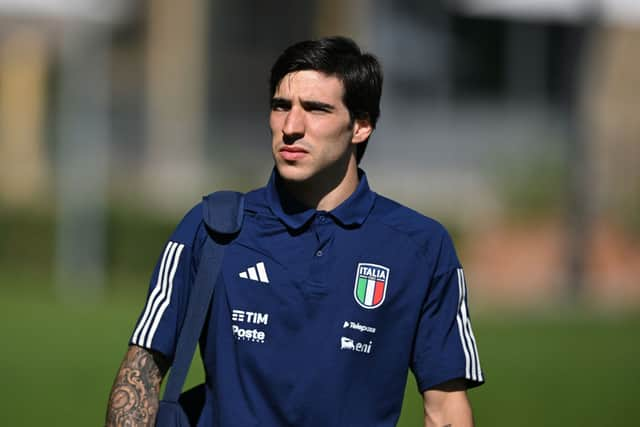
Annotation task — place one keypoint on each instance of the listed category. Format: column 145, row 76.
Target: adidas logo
column 257, row 273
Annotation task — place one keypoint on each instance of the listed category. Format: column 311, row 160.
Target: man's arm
column 447, row 405
column 135, row 393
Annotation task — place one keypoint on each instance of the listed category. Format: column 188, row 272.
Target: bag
column 183, row 413
column 222, row 213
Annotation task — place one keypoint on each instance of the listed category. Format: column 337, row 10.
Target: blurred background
column 515, row 123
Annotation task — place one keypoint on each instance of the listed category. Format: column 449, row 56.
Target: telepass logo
column 370, row 288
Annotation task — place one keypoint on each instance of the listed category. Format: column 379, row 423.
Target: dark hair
column 360, row 74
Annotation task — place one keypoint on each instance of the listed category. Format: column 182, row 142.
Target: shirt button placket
column 324, row 231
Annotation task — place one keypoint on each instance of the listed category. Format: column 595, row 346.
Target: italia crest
column 371, row 285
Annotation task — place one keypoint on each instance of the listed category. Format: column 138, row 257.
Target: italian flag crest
column 371, row 285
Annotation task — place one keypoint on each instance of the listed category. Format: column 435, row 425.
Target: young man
column 329, row 293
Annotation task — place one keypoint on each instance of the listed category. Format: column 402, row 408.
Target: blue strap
column 222, row 213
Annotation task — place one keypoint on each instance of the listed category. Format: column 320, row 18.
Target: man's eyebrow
column 316, row 105
column 280, row 102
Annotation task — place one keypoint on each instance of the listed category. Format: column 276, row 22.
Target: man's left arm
column 445, row 357
column 447, row 405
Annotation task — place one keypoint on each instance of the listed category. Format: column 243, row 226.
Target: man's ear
column 361, row 131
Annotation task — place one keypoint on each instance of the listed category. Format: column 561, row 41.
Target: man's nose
column 293, row 128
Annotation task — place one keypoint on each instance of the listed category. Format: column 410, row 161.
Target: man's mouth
column 291, row 153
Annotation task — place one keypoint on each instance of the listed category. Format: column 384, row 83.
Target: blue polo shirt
column 317, row 316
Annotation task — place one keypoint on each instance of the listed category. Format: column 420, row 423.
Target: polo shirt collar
column 351, row 212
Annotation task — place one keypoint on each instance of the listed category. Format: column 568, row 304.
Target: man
column 329, row 293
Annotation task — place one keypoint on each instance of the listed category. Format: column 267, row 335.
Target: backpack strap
column 222, row 211
column 222, row 214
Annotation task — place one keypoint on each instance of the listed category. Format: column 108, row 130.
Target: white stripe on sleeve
column 460, row 322
column 470, row 333
column 154, row 293
column 472, row 361
column 160, row 297
column 167, row 300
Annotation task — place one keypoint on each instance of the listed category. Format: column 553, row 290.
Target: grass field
column 560, row 368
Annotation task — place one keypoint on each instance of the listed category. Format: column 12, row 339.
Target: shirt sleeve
column 169, row 288
column 445, row 346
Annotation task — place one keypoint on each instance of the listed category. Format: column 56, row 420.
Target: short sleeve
column 445, row 346
column 169, row 288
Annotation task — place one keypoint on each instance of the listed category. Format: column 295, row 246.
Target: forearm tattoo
column 135, row 392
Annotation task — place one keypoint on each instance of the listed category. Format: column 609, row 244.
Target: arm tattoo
column 135, row 393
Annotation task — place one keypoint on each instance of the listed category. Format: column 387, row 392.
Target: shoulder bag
column 222, row 213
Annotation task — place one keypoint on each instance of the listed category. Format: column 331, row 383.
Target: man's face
column 310, row 126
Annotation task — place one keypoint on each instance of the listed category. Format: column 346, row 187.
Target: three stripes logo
column 160, row 296
column 473, row 371
column 370, row 288
column 257, row 273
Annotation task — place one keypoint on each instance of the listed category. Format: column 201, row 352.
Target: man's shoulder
column 418, row 227
column 426, row 234
column 192, row 222
column 189, row 226
column 256, row 200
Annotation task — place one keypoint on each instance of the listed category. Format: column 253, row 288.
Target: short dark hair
column 359, row 72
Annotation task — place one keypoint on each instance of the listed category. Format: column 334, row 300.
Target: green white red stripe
column 371, row 285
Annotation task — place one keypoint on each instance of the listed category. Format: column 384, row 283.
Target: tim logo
column 347, row 343
column 250, row 317
column 249, row 333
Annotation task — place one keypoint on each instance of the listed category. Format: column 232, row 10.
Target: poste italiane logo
column 371, row 285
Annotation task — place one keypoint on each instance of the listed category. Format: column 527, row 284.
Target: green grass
column 58, row 361
column 572, row 369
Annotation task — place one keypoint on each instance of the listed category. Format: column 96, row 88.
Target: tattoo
column 135, row 393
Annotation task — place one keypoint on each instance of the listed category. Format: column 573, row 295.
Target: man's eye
column 280, row 106
column 319, row 109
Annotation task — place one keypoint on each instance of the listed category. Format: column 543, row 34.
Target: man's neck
column 325, row 193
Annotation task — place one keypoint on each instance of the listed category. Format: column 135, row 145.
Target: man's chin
column 293, row 173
